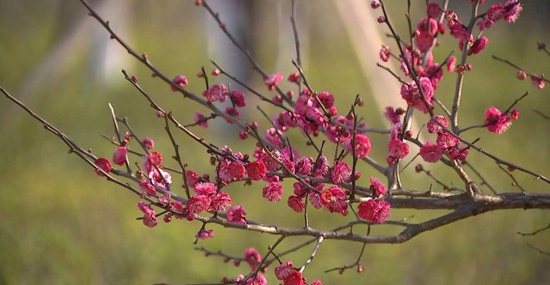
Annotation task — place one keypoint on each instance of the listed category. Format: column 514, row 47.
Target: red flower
column 205, row 188
column 216, row 92
column 434, row 127
column 154, row 158
column 511, row 10
column 362, row 146
column 220, row 202
column 295, row 278
column 237, row 97
column 496, row 121
column 252, row 257
column 104, row 164
column 334, row 200
column 273, row 80
column 149, row 143
column 374, row 212
column 119, row 157
column 377, row 187
column 398, row 148
column 205, row 234
column 236, row 214
column 200, row 120
column 179, row 80
column 147, row 188
column 256, row 170
column 273, row 191
column 296, row 203
column 198, row 203
column 341, row 172
column 446, row 140
column 284, row 270
column 431, row 152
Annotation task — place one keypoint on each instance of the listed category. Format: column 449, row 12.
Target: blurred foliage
column 62, row 225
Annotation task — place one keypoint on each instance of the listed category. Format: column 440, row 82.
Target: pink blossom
column 337, row 134
column 411, row 94
column 433, row 10
column 377, row 187
column 205, row 188
column 385, row 53
column 431, row 152
column 511, row 10
column 256, row 170
column 451, row 63
column 478, row 45
column 220, row 202
column 320, row 168
column 167, row 217
column 150, row 221
column 103, row 164
column 154, row 158
column 231, row 170
column 294, row 278
column 205, row 234
column 315, row 200
column 232, row 112
column 495, row 121
column 192, row 177
column 147, row 188
column 362, row 146
column 273, row 80
column 198, row 204
column 273, row 191
column 236, row 214
column 304, row 165
column 326, row 99
column 485, row 24
column 316, row 282
column 392, row 115
column 179, row 80
column 334, row 200
column 200, row 120
column 160, row 178
column 398, row 148
column 294, row 77
column 424, row 40
column 538, row 82
column 237, row 97
column 282, row 271
column 434, row 127
column 296, row 203
column 376, row 212
column 119, row 157
column 458, row 153
column 496, row 11
column 146, row 209
column 446, row 140
column 216, row 92
column 165, row 199
column 252, row 257
column 514, row 114
column 149, row 143
column 341, row 172
column 428, row 25
column 177, row 206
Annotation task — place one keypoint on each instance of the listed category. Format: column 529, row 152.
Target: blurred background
column 62, row 225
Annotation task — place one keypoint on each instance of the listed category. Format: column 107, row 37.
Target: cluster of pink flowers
column 498, row 122
column 445, row 142
column 290, row 276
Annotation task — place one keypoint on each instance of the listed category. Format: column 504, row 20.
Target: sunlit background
column 62, row 224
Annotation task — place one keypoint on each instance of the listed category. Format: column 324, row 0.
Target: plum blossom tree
column 321, row 182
